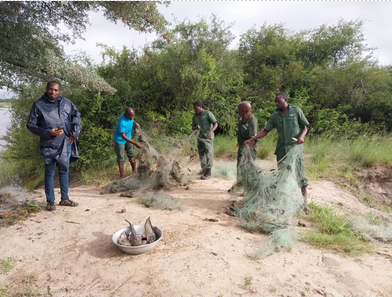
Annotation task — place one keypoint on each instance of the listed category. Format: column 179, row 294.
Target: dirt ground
column 69, row 252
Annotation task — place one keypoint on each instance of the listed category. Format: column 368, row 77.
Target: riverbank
column 203, row 251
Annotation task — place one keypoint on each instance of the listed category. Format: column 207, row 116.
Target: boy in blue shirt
column 123, row 143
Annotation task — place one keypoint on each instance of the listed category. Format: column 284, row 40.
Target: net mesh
column 156, row 170
column 272, row 199
column 381, row 231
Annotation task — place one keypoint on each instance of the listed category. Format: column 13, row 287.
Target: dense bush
column 325, row 71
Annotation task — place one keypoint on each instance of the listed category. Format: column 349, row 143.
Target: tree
column 331, row 45
column 163, row 81
column 30, row 38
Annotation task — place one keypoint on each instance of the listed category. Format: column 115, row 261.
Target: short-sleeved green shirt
column 206, row 120
column 246, row 129
column 288, row 126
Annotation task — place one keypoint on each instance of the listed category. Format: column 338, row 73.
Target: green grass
column 266, row 146
column 6, row 265
column 329, row 222
column 340, row 157
column 225, row 146
column 273, row 289
column 338, row 242
column 370, row 151
column 34, row 182
column 26, row 288
column 4, row 291
column 104, row 172
column 334, row 232
column 248, row 280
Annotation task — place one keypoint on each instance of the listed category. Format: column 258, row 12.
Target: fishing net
column 161, row 200
column 157, row 170
column 272, row 199
column 225, row 169
column 379, row 230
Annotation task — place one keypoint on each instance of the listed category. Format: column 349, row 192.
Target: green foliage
column 31, row 38
column 166, row 79
column 96, row 145
column 331, row 45
column 334, row 232
column 21, row 159
column 325, row 71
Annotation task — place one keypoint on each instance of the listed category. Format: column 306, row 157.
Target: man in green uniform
column 205, row 122
column 291, row 124
column 247, row 128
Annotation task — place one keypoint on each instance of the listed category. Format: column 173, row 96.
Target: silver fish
column 123, row 239
column 149, row 229
column 134, row 238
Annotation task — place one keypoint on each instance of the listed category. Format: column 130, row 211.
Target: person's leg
column 120, row 152
column 305, row 194
column 132, row 161
column 49, row 188
column 239, row 155
column 301, row 179
column 64, row 176
column 202, row 153
column 210, row 153
column 209, row 148
column 121, row 169
column 129, row 149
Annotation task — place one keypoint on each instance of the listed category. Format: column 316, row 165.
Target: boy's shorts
column 122, row 149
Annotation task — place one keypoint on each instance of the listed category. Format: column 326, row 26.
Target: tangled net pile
column 272, row 200
column 154, row 170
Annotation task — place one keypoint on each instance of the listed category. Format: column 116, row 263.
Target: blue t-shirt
column 123, row 125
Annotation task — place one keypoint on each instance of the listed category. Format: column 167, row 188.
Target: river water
column 5, row 121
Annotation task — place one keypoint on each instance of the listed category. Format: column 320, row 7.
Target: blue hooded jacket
column 46, row 114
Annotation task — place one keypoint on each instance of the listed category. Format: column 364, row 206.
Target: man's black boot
column 207, row 174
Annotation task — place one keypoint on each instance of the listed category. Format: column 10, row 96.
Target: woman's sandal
column 68, row 203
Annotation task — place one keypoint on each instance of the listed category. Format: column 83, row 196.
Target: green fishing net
column 157, row 170
column 272, row 199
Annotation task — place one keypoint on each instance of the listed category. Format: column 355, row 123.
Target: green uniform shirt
column 288, row 126
column 206, row 120
column 246, row 129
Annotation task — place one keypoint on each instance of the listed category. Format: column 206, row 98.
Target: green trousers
column 205, row 148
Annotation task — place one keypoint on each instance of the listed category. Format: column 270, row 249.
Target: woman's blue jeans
column 63, row 176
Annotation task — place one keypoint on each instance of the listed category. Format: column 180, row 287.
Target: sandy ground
column 69, row 252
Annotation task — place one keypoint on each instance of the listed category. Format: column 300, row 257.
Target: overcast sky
column 295, row 15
